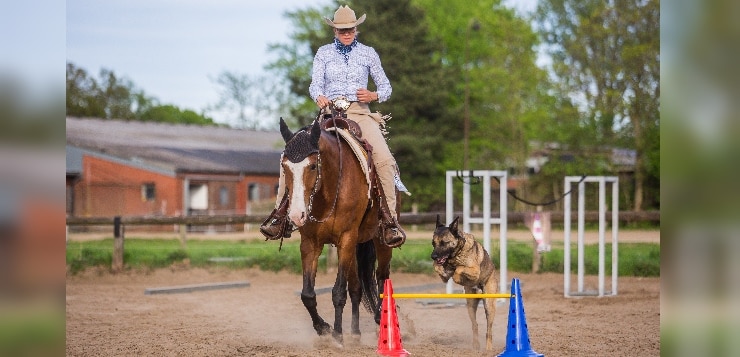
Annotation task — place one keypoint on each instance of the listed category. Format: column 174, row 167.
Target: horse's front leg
column 310, row 260
column 346, row 278
column 355, row 291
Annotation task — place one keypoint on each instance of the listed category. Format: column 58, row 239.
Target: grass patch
column 31, row 330
column 635, row 259
column 159, row 253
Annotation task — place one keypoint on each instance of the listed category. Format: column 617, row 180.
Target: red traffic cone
column 517, row 335
column 389, row 336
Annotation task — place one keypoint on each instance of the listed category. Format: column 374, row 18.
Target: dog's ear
column 439, row 223
column 453, row 226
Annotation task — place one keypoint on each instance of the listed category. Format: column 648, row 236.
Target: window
column 148, row 192
column 253, row 192
column 223, row 196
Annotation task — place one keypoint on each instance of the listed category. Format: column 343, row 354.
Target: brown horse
column 329, row 204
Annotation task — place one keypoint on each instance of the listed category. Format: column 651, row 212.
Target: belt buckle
column 341, row 103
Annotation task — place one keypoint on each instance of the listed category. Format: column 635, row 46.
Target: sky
column 174, row 49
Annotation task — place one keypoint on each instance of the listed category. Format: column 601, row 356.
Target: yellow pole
column 450, row 296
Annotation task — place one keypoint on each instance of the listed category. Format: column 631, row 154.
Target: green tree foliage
column 491, row 52
column 497, row 85
column 112, row 97
column 295, row 60
column 171, row 114
column 606, row 58
column 81, row 98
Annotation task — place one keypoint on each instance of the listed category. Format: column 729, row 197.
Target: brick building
column 121, row 168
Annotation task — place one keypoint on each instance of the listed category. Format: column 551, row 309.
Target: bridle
column 315, row 189
column 339, row 107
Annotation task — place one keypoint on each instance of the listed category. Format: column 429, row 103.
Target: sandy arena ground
column 109, row 315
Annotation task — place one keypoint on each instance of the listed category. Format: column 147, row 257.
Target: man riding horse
column 340, row 72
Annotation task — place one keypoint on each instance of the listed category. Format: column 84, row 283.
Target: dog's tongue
column 441, row 261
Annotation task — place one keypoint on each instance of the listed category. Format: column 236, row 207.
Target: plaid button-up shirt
column 332, row 77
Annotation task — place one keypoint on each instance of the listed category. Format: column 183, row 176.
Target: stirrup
column 277, row 225
column 392, row 234
column 276, row 228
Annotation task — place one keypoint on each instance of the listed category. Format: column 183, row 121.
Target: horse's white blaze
column 297, row 212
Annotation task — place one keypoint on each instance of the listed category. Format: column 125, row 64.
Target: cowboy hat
column 344, row 18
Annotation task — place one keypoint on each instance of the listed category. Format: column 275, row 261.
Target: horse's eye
column 312, row 167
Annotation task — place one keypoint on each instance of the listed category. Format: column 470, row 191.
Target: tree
column 81, row 89
column 112, row 97
column 497, row 85
column 252, row 101
column 172, row 114
column 235, row 96
column 605, row 55
column 295, row 60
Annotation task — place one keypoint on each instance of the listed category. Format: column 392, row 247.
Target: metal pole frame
column 601, row 180
column 486, row 220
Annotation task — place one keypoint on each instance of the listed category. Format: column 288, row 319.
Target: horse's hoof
column 338, row 339
column 355, row 338
column 322, row 328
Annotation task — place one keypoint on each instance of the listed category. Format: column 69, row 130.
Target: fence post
column 118, row 232
column 183, row 236
column 536, row 255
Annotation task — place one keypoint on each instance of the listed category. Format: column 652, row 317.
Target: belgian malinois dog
column 459, row 256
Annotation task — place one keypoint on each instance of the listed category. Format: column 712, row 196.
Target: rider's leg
column 385, row 166
column 393, row 233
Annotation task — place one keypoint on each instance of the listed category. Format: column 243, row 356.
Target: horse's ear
column 453, row 226
column 315, row 133
column 439, row 223
column 285, row 131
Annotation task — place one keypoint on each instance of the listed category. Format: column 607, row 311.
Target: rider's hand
column 366, row 96
column 322, row 101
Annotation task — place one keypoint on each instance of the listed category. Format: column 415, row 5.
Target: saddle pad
column 359, row 153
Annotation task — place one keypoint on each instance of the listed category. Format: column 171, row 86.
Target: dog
column 459, row 256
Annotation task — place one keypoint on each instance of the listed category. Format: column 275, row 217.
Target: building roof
column 175, row 148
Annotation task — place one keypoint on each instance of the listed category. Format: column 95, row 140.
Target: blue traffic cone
column 517, row 336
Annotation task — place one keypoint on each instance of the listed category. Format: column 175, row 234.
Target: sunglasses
column 345, row 31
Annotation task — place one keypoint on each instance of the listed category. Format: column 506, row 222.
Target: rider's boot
column 277, row 224
column 393, row 234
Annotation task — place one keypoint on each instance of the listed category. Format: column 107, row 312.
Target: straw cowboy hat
column 344, row 18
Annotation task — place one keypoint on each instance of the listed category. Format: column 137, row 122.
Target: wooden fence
column 652, row 217
column 118, row 223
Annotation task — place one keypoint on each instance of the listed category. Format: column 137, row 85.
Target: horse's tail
column 366, row 270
